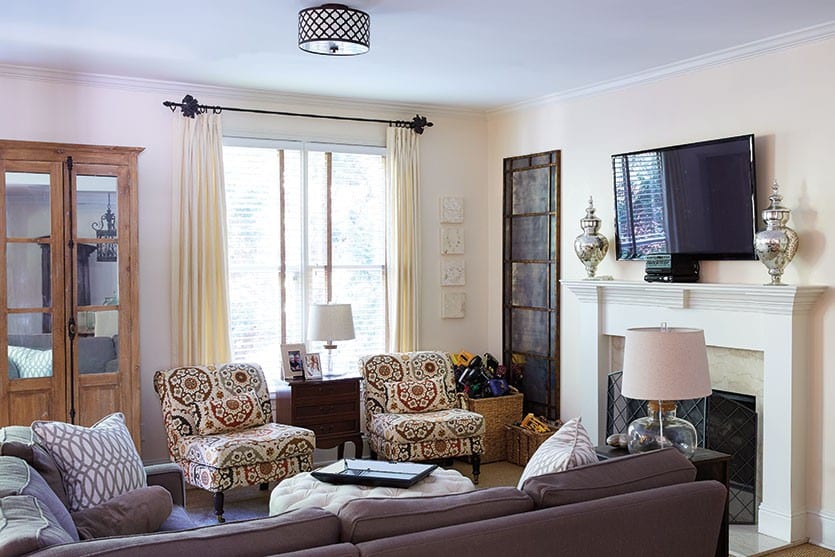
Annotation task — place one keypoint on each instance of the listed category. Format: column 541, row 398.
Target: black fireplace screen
column 725, row 422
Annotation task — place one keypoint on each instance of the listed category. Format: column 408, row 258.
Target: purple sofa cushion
column 274, row 535
column 611, row 477
column 371, row 518
column 139, row 511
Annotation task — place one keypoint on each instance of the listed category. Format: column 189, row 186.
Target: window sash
column 302, row 277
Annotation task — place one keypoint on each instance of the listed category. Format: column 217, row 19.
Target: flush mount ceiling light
column 334, row 30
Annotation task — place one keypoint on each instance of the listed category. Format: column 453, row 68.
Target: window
column 306, row 223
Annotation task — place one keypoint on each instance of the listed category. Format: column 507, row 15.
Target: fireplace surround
column 775, row 320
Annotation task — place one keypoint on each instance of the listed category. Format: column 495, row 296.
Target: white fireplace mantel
column 771, row 319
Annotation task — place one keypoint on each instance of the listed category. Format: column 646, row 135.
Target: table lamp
column 330, row 322
column 664, row 365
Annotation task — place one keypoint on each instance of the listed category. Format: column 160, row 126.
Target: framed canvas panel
column 453, row 271
column 452, row 240
column 452, row 210
column 454, row 305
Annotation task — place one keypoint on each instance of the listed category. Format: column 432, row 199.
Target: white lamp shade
column 665, row 364
column 330, row 322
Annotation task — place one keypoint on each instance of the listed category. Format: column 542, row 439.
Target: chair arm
column 170, row 476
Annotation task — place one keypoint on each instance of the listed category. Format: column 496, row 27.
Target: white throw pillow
column 96, row 463
column 30, row 362
column 570, row 446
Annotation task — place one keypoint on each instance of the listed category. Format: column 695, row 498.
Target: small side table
column 710, row 465
column 328, row 406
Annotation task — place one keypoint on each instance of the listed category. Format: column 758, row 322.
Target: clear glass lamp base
column 660, row 429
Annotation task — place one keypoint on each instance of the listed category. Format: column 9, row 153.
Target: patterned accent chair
column 218, row 421
column 413, row 413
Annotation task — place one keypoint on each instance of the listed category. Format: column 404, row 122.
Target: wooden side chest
column 329, row 407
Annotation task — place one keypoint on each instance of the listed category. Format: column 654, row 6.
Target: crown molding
column 261, row 97
column 728, row 55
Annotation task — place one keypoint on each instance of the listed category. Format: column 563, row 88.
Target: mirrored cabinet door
column 70, row 291
column 97, row 296
column 35, row 370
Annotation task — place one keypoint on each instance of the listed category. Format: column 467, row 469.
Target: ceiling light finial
column 334, row 30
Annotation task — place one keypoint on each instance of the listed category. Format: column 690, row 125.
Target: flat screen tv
column 697, row 199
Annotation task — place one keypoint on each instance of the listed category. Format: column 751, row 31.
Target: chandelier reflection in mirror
column 106, row 230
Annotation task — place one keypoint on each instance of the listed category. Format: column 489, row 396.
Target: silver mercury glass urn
column 777, row 244
column 591, row 246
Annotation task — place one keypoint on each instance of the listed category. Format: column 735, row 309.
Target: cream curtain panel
column 403, row 238
column 199, row 289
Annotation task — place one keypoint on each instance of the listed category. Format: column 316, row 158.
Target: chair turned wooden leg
column 264, row 486
column 476, row 467
column 218, row 499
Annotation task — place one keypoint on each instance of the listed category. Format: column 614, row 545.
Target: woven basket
column 521, row 443
column 498, row 412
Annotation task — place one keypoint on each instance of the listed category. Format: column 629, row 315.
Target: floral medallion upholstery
column 219, row 428
column 431, row 422
column 410, row 397
column 229, row 414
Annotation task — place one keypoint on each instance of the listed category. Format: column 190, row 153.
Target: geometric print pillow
column 96, row 463
column 234, row 413
column 30, row 362
column 570, row 446
column 412, row 397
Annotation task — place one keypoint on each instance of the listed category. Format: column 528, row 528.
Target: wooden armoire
column 68, row 283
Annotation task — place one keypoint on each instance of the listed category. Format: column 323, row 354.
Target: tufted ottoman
column 303, row 490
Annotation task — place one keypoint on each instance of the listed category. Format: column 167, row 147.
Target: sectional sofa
column 642, row 505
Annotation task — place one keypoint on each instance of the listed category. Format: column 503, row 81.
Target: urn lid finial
column 775, row 198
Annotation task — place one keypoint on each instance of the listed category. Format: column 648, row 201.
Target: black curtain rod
column 190, row 107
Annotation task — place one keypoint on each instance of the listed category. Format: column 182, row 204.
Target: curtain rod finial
column 191, row 107
column 419, row 122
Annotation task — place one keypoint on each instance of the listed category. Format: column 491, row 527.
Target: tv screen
column 697, row 199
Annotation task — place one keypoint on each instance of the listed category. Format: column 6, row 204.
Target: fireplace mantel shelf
column 753, row 298
column 776, row 320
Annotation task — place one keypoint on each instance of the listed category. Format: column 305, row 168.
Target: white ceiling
column 479, row 54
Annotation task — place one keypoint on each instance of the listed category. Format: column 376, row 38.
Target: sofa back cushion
column 615, row 476
column 681, row 520
column 18, row 478
column 27, row 525
column 273, row 535
column 366, row 519
column 95, row 353
column 19, row 441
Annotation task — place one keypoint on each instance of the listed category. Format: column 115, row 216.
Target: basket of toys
column 523, row 439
